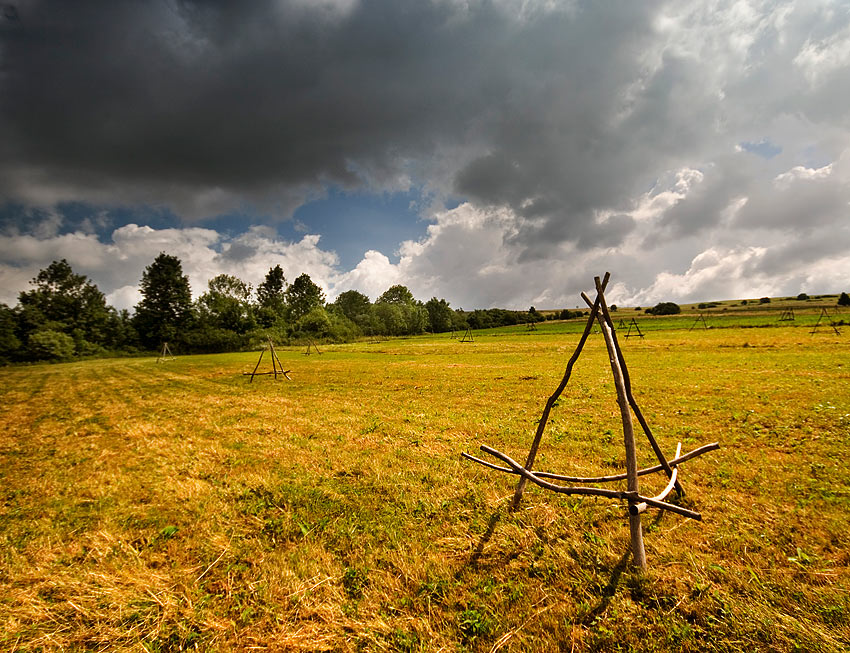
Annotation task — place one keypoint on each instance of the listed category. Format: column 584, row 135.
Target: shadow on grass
column 611, row 588
column 485, row 538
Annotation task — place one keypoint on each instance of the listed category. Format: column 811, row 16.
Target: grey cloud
column 802, row 252
column 560, row 112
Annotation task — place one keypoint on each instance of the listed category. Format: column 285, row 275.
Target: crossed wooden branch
column 626, row 401
column 277, row 366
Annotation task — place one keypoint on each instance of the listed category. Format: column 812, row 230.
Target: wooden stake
column 257, row 366
column 634, row 405
column 635, row 528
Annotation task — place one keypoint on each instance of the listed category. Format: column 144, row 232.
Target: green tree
column 65, row 302
column 303, row 296
column 439, row 315
column 413, row 315
column 227, row 305
column 10, row 345
column 844, row 299
column 355, row 306
column 165, row 312
column 271, row 297
column 397, row 294
column 389, row 318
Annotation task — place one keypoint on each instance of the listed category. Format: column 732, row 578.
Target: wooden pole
column 635, row 528
column 541, row 425
column 633, row 402
column 257, row 366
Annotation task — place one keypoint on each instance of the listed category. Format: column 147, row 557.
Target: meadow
column 175, row 506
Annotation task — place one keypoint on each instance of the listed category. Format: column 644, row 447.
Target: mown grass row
column 168, row 506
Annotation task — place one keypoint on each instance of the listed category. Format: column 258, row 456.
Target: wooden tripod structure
column 467, row 337
column 277, row 366
column 700, row 318
column 787, row 315
column 638, row 503
column 165, row 354
column 825, row 314
column 312, row 344
column 633, row 325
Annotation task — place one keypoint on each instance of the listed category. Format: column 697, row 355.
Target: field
column 175, row 506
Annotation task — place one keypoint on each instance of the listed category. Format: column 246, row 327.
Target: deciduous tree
column 165, row 312
column 303, row 296
column 64, row 302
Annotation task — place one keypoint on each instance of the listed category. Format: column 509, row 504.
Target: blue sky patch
column 764, row 148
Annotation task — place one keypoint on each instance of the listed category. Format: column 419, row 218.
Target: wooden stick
column 638, row 552
column 600, row 479
column 273, row 355
column 257, row 365
column 541, row 425
column 636, row 409
column 637, row 508
column 590, row 491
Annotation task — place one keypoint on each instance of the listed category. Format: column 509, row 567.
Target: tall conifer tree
column 165, row 312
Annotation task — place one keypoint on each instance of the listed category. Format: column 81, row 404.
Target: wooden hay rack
column 312, row 344
column 633, row 325
column 637, row 502
column 825, row 314
column 468, row 337
column 277, row 366
column 699, row 318
column 165, row 354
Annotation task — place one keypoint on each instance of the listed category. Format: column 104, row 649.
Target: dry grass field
column 175, row 506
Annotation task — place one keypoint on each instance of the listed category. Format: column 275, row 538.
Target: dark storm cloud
column 565, row 113
column 238, row 96
column 269, row 98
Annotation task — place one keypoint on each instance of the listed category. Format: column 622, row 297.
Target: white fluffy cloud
column 117, row 267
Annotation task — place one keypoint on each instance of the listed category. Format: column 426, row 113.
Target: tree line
column 64, row 315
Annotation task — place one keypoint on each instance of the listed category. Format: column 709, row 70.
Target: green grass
column 163, row 507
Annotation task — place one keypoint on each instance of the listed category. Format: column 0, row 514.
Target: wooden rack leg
column 633, row 403
column 541, row 425
column 257, row 366
column 635, row 528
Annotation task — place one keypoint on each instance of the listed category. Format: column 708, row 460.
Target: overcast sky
column 490, row 152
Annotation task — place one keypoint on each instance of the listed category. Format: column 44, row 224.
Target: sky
column 489, row 152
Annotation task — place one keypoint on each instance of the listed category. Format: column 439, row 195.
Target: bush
column 844, row 299
column 567, row 314
column 48, row 344
column 664, row 308
column 764, row 300
column 802, row 296
column 210, row 340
